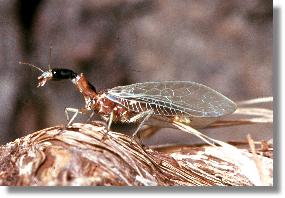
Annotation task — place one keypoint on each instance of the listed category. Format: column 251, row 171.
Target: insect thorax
column 90, row 103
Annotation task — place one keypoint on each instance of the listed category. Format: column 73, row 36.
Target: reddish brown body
column 100, row 103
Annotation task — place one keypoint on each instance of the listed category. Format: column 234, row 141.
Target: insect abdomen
column 158, row 109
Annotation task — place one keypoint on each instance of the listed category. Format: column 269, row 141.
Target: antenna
column 49, row 58
column 24, row 63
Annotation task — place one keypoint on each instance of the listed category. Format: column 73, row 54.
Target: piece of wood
column 78, row 156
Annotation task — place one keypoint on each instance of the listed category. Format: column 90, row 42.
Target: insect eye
column 57, row 74
column 54, row 73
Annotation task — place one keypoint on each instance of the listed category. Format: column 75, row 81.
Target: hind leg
column 142, row 118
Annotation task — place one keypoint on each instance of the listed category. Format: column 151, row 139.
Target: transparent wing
column 193, row 99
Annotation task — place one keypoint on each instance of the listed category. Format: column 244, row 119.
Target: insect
column 151, row 103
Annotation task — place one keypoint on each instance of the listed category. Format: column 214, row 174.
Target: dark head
column 60, row 74
column 52, row 74
column 56, row 74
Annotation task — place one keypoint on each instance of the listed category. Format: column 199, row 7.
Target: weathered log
column 78, row 155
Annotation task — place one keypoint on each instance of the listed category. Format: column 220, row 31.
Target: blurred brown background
column 225, row 44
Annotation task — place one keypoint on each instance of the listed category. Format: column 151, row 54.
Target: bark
column 78, row 155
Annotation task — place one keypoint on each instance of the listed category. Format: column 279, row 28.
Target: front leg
column 75, row 111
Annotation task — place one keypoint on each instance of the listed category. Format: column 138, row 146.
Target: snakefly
column 151, row 103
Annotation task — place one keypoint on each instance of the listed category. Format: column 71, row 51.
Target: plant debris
column 78, row 156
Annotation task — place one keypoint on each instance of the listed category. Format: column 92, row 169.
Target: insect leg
column 90, row 117
column 75, row 111
column 144, row 116
column 110, row 120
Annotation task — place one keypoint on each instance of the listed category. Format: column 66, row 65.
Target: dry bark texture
column 78, row 156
